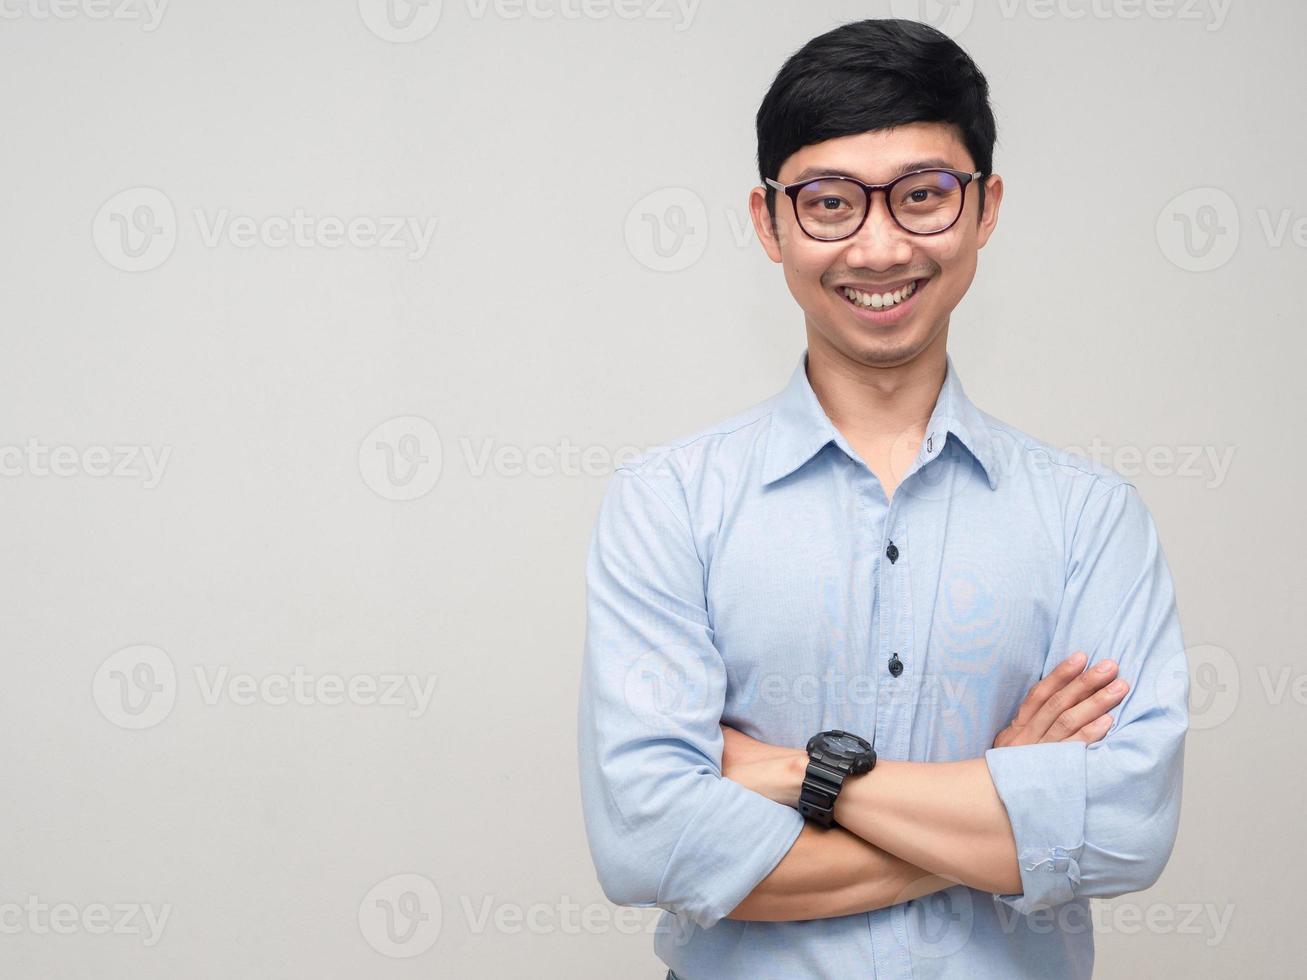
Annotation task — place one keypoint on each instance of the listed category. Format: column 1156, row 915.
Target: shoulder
column 680, row 465
column 1093, row 500
column 1025, row 456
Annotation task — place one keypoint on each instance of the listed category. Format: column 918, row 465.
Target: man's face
column 882, row 257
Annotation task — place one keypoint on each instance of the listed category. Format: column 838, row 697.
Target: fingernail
column 1105, row 666
column 1116, row 687
column 1076, row 659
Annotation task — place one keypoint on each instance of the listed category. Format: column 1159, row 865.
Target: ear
column 993, row 201
column 771, row 240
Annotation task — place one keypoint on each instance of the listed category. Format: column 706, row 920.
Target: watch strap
column 821, row 787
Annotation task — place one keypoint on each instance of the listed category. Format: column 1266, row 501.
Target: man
column 973, row 632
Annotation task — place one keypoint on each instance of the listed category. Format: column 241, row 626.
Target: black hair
column 869, row 75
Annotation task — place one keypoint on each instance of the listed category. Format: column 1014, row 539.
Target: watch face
column 844, row 744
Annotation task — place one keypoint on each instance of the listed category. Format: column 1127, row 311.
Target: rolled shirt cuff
column 733, row 842
column 1043, row 787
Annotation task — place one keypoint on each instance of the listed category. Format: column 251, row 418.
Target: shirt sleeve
column 1100, row 820
column 665, row 827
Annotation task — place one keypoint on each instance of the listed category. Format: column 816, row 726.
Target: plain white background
column 323, row 328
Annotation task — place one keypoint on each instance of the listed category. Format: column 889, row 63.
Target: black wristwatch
column 832, row 756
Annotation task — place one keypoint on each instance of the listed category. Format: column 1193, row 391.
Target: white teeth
column 878, row 301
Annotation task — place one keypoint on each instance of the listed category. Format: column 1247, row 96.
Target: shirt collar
column 800, row 427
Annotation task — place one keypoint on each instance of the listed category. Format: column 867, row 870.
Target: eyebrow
column 809, row 172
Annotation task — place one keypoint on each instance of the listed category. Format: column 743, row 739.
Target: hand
column 771, row 770
column 1070, row 704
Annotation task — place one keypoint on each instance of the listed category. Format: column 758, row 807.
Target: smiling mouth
column 883, row 300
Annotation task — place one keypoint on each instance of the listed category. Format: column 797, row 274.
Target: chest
column 933, row 611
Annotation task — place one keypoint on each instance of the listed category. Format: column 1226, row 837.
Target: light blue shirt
column 742, row 576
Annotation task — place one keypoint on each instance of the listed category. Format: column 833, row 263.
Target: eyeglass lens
column 833, row 207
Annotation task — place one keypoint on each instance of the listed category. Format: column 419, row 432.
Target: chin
column 889, row 350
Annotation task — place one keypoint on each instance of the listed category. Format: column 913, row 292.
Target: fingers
column 1089, row 711
column 1072, row 693
column 1092, row 732
column 1061, row 675
column 1018, row 731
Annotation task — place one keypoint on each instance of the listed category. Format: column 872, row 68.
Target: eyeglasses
column 923, row 202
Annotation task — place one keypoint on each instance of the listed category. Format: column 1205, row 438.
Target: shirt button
column 895, row 665
column 892, row 553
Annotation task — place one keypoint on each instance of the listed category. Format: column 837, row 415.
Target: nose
column 880, row 243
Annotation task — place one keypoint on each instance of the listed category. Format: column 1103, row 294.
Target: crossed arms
column 1040, row 819
column 904, row 818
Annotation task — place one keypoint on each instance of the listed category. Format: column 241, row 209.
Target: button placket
column 894, row 638
column 895, row 633
column 875, row 518
column 893, row 582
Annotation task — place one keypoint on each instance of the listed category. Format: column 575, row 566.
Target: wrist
column 834, row 757
column 793, row 768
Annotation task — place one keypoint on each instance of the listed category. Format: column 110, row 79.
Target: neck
column 877, row 405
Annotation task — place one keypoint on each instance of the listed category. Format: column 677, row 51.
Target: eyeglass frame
column 791, row 191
